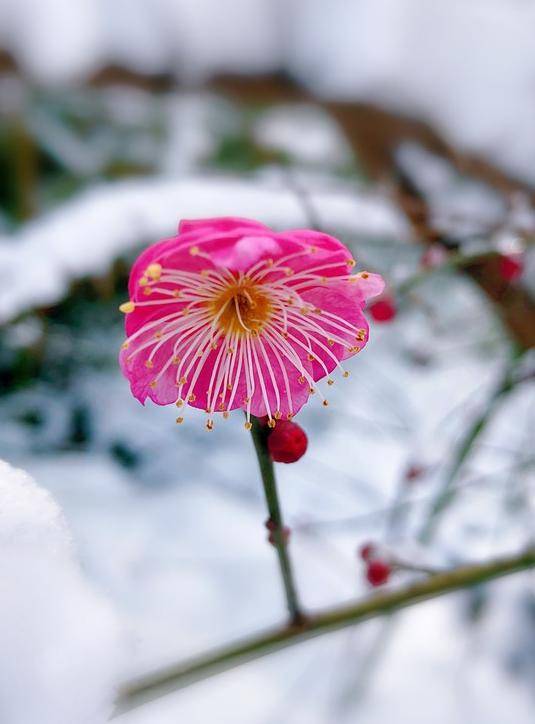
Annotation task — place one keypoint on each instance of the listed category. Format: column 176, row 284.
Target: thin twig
column 172, row 678
column 259, row 434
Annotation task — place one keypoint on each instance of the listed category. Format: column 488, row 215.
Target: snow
column 59, row 638
column 465, row 67
column 88, row 233
column 178, row 542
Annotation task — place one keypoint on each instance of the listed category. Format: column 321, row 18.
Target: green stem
column 452, row 261
column 174, row 677
column 447, row 491
column 259, row 433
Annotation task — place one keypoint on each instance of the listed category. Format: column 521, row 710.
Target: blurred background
column 403, row 127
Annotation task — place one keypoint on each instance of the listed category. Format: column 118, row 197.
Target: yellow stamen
column 154, row 271
column 127, row 307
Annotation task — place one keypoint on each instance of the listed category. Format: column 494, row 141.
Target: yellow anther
column 269, row 262
column 143, row 282
column 311, row 357
column 351, row 262
column 317, row 310
column 230, row 350
column 182, row 380
column 154, row 271
column 345, row 374
column 191, row 398
column 271, row 423
column 175, row 360
column 225, row 415
column 330, row 381
column 313, row 249
column 325, row 403
column 158, row 334
column 289, row 415
column 213, row 345
column 152, row 384
column 330, row 342
column 124, row 345
column 363, row 275
column 179, row 420
column 177, row 293
column 209, row 425
column 301, row 380
column 311, row 390
column 147, row 291
column 277, row 414
column 248, row 425
column 127, row 307
column 149, row 364
column 288, row 271
column 194, row 250
column 229, row 387
column 179, row 402
column 361, row 335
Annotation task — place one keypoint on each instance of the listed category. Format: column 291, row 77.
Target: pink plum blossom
column 230, row 314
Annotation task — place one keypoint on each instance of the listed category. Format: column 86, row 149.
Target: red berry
column 378, row 572
column 287, row 442
column 383, row 310
column 510, row 266
column 367, row 551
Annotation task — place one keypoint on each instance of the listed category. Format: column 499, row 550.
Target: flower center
column 243, row 307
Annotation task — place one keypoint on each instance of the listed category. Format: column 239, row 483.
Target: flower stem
column 176, row 676
column 259, row 433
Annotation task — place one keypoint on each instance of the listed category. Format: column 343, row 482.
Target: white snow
column 86, row 234
column 59, row 638
column 465, row 67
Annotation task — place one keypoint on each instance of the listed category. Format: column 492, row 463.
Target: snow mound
column 59, row 639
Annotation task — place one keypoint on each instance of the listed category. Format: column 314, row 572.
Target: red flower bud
column 287, row 442
column 510, row 266
column 383, row 310
column 367, row 551
column 378, row 572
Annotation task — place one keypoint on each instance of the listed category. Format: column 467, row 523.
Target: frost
column 59, row 639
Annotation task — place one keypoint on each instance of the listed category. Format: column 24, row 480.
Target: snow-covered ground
column 178, row 545
column 466, row 67
column 167, row 522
